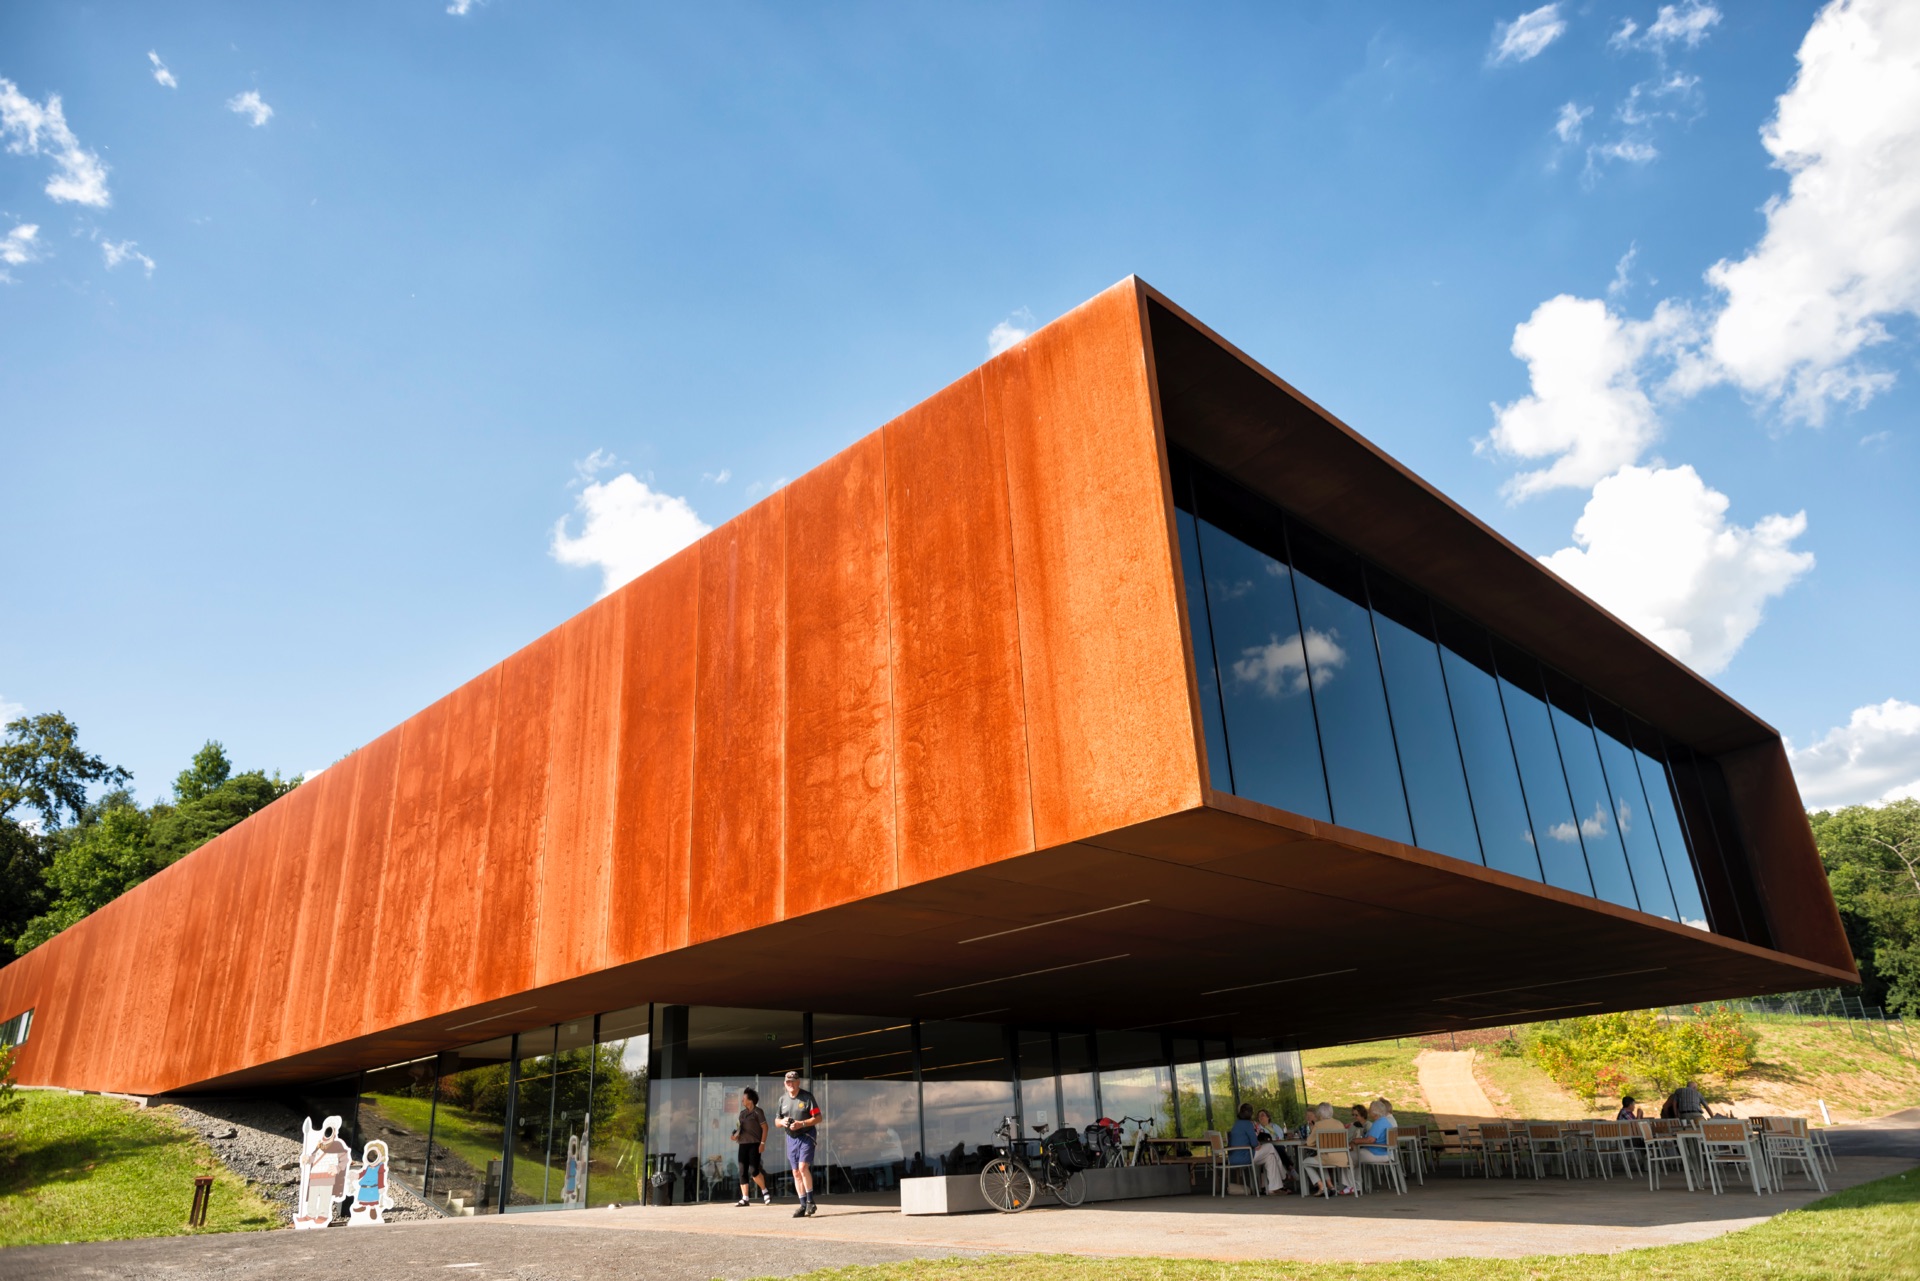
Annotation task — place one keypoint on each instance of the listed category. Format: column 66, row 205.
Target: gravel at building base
column 260, row 1142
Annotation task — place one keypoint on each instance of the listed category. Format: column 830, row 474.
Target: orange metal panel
column 582, row 751
column 1110, row 723
column 279, row 918
column 319, row 902
column 739, row 713
column 453, row 951
column 839, row 816
column 398, row 944
column 516, row 826
column 653, row 822
column 360, row 870
column 960, row 742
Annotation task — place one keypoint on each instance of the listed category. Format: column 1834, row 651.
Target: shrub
column 1638, row 1050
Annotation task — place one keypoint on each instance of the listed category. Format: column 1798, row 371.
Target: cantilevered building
column 1089, row 738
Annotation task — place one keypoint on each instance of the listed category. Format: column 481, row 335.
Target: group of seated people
column 1252, row 1141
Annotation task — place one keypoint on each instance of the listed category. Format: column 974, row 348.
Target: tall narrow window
column 1505, row 832
column 1592, row 806
column 1422, row 722
column 1206, row 669
column 1343, row 667
column 1262, row 652
column 1631, row 813
column 1675, row 850
column 1556, row 830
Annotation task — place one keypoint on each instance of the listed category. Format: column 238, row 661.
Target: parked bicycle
column 1138, row 1150
column 1010, row 1182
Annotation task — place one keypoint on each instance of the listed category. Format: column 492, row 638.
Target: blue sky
column 328, row 313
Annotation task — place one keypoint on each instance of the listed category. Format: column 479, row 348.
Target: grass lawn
column 1347, row 1074
column 1521, row 1091
column 77, row 1167
column 1872, row 1231
column 476, row 1141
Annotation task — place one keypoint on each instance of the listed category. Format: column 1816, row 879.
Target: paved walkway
column 1453, row 1092
column 1450, row 1216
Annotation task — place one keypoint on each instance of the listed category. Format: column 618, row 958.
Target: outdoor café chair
column 1547, row 1143
column 1390, row 1169
column 1496, row 1146
column 1663, row 1151
column 1225, row 1170
column 1787, row 1143
column 1613, row 1141
column 1330, row 1153
column 1729, row 1143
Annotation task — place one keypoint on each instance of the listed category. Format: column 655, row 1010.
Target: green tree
column 94, row 863
column 45, row 778
column 1872, row 857
column 43, row 769
column 209, row 798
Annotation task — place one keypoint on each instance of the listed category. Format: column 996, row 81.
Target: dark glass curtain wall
column 1331, row 689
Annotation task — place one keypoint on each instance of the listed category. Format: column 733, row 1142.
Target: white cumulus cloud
column 1280, row 666
column 250, row 105
column 19, row 247
column 1874, row 757
column 1686, row 24
column 1841, row 252
column 1527, row 36
column 1587, row 410
column 10, row 710
column 1010, row 331
column 626, row 529
column 461, row 8
column 40, row 128
column 160, row 72
column 124, row 251
column 1654, row 546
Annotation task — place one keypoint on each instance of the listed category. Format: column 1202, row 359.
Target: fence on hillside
column 1830, row 1005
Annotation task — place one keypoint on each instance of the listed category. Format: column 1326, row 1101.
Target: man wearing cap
column 799, row 1116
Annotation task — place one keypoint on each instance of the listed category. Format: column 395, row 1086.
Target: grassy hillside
column 76, row 1167
column 1347, row 1074
column 1801, row 1061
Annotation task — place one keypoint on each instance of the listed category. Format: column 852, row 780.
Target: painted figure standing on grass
column 324, row 1158
column 371, row 1200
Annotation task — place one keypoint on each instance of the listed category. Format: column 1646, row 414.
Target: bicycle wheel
column 1073, row 1191
column 1006, row 1185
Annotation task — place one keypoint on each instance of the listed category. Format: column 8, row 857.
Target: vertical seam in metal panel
column 685, row 935
column 1019, row 641
column 610, row 812
column 786, row 715
column 893, row 714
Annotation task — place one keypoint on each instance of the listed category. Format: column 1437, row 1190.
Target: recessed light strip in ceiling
column 1077, row 916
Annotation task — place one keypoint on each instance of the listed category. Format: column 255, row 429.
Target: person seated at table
column 1629, row 1109
column 1387, row 1108
column 1357, row 1123
column 1266, row 1146
column 1244, row 1148
column 1372, row 1146
column 1324, row 1124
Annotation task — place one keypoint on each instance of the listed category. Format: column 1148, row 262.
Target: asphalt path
column 448, row 1250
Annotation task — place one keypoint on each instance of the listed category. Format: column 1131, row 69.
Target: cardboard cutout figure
column 570, row 1190
column 371, row 1200
column 324, row 1158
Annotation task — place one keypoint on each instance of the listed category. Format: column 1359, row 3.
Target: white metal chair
column 1788, row 1143
column 1664, row 1150
column 1613, row 1141
column 1373, row 1165
column 1730, row 1144
column 1329, row 1153
column 1497, row 1145
column 1224, row 1170
column 1547, row 1142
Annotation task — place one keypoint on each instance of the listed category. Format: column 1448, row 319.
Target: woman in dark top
column 751, row 1135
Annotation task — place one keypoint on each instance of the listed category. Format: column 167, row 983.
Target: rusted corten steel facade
column 939, row 687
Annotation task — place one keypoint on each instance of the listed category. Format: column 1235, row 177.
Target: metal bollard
column 202, row 1196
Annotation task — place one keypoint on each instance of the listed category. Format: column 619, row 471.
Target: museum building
column 1088, row 740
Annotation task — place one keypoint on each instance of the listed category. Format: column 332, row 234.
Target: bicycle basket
column 1066, row 1148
